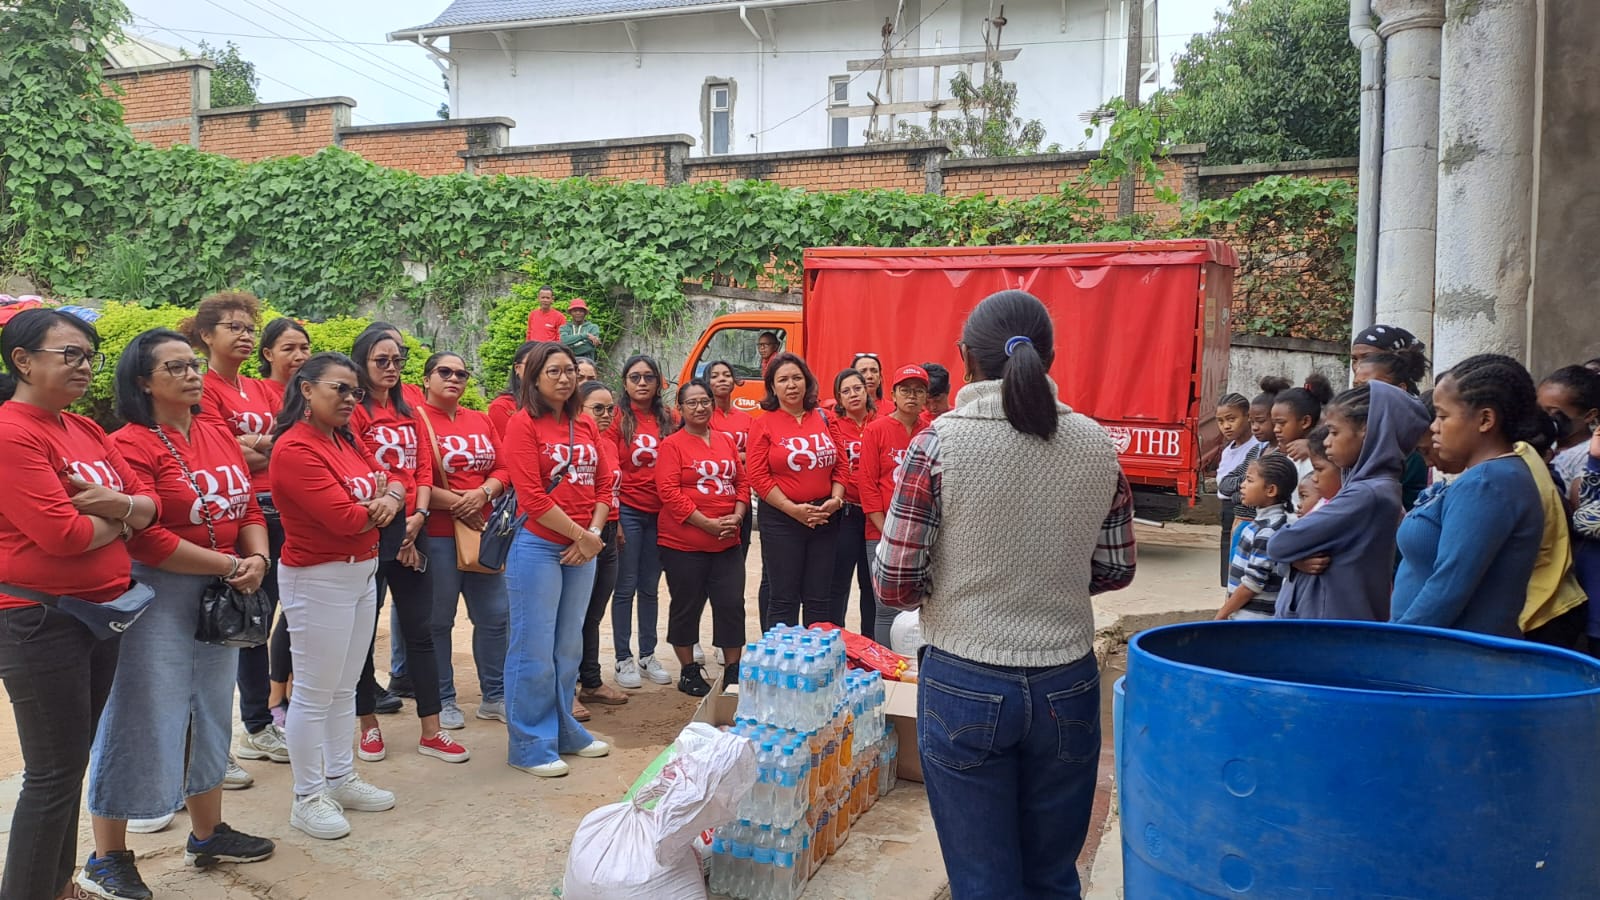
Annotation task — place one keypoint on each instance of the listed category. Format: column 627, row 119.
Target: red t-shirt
column 533, row 449
column 799, row 458
column 883, row 449
column 321, row 486
column 44, row 540
column 251, row 408
column 213, row 456
column 500, row 411
column 393, row 440
column 545, row 326
column 735, row 423
column 694, row 475
column 469, row 452
column 847, row 437
column 609, row 473
column 638, row 460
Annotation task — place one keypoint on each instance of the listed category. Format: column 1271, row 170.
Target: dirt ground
column 485, row 830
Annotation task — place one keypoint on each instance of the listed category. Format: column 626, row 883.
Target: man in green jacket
column 580, row 335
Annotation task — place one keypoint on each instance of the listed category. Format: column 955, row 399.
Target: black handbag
column 228, row 616
column 505, row 520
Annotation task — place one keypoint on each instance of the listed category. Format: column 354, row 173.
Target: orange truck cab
column 1142, row 333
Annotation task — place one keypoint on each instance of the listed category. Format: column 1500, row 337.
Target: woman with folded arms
column 334, row 499
column 68, row 502
column 856, row 410
column 883, row 449
column 598, row 404
column 470, row 474
column 554, row 455
column 164, row 735
column 285, row 347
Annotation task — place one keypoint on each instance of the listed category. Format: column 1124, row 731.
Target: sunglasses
column 449, row 374
column 390, row 362
column 178, row 367
column 642, row 378
column 357, row 393
column 76, row 356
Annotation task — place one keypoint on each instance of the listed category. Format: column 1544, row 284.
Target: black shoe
column 402, row 686
column 113, row 876
column 693, row 680
column 386, row 703
column 226, row 846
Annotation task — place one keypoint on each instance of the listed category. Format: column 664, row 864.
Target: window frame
column 834, row 83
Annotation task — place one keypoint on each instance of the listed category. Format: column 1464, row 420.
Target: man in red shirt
column 544, row 322
column 767, row 346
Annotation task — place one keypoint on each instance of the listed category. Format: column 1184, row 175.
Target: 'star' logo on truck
column 1162, row 442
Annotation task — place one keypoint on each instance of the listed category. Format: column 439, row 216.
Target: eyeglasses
column 600, row 409
column 76, row 356
column 345, row 390
column 449, row 374
column 919, row 392
column 642, row 378
column 238, row 327
column 178, row 367
column 697, row 403
column 567, row 372
column 390, row 362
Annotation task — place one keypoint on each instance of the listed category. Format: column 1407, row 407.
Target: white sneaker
column 492, row 710
column 628, row 674
column 451, row 717
column 699, row 654
column 319, row 816
column 595, row 750
column 548, row 770
column 267, row 743
column 654, row 671
column 150, row 826
column 236, row 779
column 360, row 796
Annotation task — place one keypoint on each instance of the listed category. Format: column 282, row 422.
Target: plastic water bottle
column 742, row 854
column 763, row 857
column 771, row 686
column 787, row 882
column 749, row 683
column 719, row 861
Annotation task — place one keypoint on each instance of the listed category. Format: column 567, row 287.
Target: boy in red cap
column 580, row 335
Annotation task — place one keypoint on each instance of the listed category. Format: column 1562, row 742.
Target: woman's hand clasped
column 252, row 571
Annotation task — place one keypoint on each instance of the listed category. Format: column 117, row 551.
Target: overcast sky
column 316, row 48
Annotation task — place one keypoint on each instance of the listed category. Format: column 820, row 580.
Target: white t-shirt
column 1232, row 455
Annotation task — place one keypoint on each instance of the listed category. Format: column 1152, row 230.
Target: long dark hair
column 294, row 401
column 530, row 399
column 514, row 381
column 271, row 335
column 361, row 353
column 770, row 402
column 627, row 421
column 838, row 384
column 1500, row 383
column 138, row 360
column 25, row 331
column 1010, row 337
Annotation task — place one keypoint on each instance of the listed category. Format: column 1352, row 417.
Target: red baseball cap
column 577, row 303
column 909, row 373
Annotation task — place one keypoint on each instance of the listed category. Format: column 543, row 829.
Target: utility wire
column 343, row 43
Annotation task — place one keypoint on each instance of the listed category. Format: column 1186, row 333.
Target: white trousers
column 331, row 609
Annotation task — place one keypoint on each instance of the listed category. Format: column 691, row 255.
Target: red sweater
column 393, row 441
column 321, row 486
column 500, row 410
column 469, row 450
column 212, row 454
column 847, row 437
column 250, row 408
column 735, row 423
column 545, row 326
column 638, row 460
column 798, row 458
column 44, row 540
column 883, row 449
column 692, row 475
column 533, row 449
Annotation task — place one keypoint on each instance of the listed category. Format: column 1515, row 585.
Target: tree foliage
column 234, row 80
column 1275, row 80
column 986, row 124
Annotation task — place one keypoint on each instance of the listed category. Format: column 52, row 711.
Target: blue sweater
column 1467, row 553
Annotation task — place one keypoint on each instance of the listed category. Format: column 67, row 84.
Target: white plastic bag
column 624, row 851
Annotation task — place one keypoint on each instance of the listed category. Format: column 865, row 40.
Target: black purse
column 228, row 617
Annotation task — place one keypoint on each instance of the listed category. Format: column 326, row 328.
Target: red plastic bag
column 866, row 653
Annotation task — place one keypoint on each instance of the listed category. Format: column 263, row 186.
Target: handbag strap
column 433, row 440
column 561, row 471
column 194, row 485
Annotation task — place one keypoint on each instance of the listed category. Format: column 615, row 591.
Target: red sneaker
column 371, row 747
column 442, row 746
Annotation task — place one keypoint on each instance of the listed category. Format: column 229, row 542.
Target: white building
column 770, row 75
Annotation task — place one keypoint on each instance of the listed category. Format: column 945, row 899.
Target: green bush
column 508, row 320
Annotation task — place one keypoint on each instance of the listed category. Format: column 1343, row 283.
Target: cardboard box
column 718, row 707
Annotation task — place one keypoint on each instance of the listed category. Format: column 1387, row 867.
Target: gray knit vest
column 1021, row 517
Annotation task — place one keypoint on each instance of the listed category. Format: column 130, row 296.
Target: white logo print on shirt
column 225, row 491
column 96, row 472
column 585, row 459
column 395, row 446
column 813, row 452
column 716, row 477
column 251, row 422
column 645, row 451
column 469, row 453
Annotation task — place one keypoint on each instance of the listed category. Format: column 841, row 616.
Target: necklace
column 238, row 384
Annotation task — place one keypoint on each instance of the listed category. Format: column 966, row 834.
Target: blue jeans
column 547, row 615
column 165, row 731
column 487, row 606
column 1009, row 757
column 638, row 570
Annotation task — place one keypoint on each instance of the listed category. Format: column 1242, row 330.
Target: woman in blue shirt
column 1467, row 553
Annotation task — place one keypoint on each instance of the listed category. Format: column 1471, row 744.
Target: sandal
column 579, row 712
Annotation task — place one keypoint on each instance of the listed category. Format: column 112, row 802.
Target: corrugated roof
column 483, row 12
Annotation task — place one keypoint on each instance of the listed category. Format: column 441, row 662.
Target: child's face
column 1344, row 440
column 1231, row 422
column 1255, row 491
column 1326, row 475
column 1308, row 492
column 1286, row 426
column 1261, row 423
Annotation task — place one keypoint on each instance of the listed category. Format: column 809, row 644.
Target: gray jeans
column 885, row 618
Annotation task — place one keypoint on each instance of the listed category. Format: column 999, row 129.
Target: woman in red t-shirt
column 597, row 403
column 554, row 455
column 223, row 328
column 871, row 370
column 795, row 469
column 501, row 407
column 69, row 498
column 334, row 499
column 285, row 347
column 855, row 410
column 883, row 448
column 469, row 473
column 735, row 423
column 643, row 420
column 703, row 490
column 165, row 731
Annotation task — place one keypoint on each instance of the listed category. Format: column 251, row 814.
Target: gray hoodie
column 1357, row 527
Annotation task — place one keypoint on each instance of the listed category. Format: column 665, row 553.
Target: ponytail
column 1010, row 336
column 8, row 387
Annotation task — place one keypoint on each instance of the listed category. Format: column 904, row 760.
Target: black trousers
column 58, row 677
column 605, row 582
column 411, row 592
column 1227, row 538
column 692, row 579
column 850, row 558
column 255, row 663
column 799, row 563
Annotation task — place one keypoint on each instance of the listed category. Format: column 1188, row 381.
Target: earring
column 966, row 377
column 306, row 413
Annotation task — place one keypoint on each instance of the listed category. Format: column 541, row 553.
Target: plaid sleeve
column 900, row 572
column 1115, row 554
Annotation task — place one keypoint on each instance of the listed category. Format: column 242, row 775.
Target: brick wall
column 655, row 160
column 426, row 148
column 912, row 167
column 296, row 128
column 1224, row 181
column 161, row 102
column 1021, row 177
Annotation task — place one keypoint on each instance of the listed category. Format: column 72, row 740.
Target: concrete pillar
column 1486, row 138
column 1407, row 210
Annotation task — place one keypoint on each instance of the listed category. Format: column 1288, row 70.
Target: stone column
column 1486, row 138
column 1407, row 210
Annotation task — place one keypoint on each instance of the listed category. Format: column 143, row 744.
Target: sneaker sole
column 461, row 757
column 89, row 888
column 329, row 834
column 533, row 770
column 380, row 756
column 602, row 701
column 164, row 826
column 589, row 755
column 694, row 692
column 366, row 807
column 207, row 860
column 237, row 785
column 244, row 751
column 664, row 679
column 492, row 717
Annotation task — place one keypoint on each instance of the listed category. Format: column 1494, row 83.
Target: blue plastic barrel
column 1352, row 759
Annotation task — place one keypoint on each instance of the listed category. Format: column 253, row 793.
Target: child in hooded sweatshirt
column 1342, row 558
column 1254, row 578
column 1324, row 474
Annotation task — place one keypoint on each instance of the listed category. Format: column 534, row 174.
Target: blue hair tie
column 1011, row 345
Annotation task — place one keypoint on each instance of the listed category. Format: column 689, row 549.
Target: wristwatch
column 594, row 531
column 425, row 513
